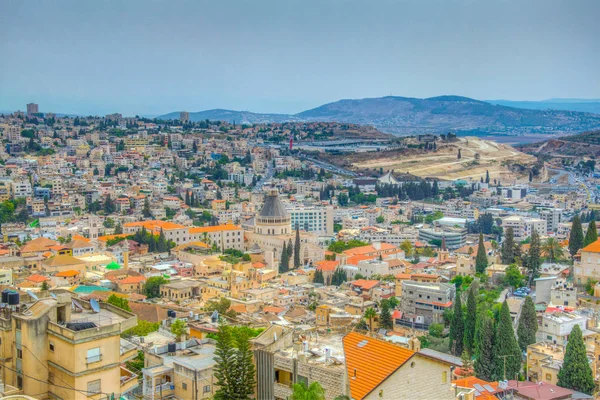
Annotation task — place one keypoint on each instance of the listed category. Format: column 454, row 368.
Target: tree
column 385, row 318
column 507, row 352
column 109, row 206
column 120, row 302
column 301, row 391
column 370, row 314
column 508, row 246
column 436, row 330
column 224, row 370
column 146, row 210
column 481, row 261
column 576, row 236
column 284, row 260
column 297, row 249
column 528, row 325
column 380, row 219
column 487, row 176
column 318, row 277
column 338, row 277
column 118, row 229
column 407, row 247
column 178, row 329
column 222, row 306
column 458, row 156
column 152, row 287
column 470, row 321
column 45, row 285
column 513, row 276
column 534, row 259
column 591, row 235
column 244, row 366
column 162, row 245
column 484, row 350
column 552, row 250
column 576, row 373
column 457, row 327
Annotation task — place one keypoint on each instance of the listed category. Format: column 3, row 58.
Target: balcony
column 281, row 391
column 129, row 380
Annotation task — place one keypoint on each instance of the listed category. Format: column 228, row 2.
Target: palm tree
column 552, row 250
column 370, row 313
column 303, row 392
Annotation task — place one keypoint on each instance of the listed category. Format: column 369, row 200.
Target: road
column 561, row 173
column 329, row 167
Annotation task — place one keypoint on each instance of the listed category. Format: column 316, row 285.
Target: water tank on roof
column 5, row 296
column 172, row 347
column 13, row 299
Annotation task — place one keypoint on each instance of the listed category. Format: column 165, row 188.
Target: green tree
column 339, row 277
column 224, row 370
column 513, row 276
column 534, row 258
column 152, row 287
column 370, row 314
column 552, row 250
column 385, row 317
column 244, row 366
column 222, row 306
column 146, row 210
column 485, row 362
column 109, row 205
column 576, row 373
column 284, row 260
column 481, row 261
column 380, row 219
column 507, row 352
column 528, row 324
column 45, row 285
column 161, row 244
column 318, row 277
column 436, row 330
column 297, row 249
column 591, row 235
column 508, row 246
column 457, row 327
column 301, row 391
column 120, row 302
column 576, row 236
column 470, row 321
column 118, row 229
column 178, row 329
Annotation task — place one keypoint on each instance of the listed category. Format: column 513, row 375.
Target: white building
column 524, row 226
column 313, row 219
column 557, row 327
column 369, row 268
column 21, row 189
column 355, row 222
column 553, row 217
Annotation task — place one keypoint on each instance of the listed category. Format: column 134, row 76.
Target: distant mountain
column 239, row 117
column 585, row 144
column 406, row 116
column 583, row 105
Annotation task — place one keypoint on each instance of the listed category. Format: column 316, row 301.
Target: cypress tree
column 318, row 277
column 470, row 321
column 534, row 260
column 576, row 373
column 457, row 328
column 591, row 235
column 284, row 260
column 576, row 236
column 487, row 176
column 297, row 249
column 508, row 246
column 161, row 245
column 385, row 317
column 506, row 347
column 528, row 325
column 481, row 261
column 485, row 362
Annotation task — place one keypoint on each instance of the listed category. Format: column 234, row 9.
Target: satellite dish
column 53, row 295
column 95, row 305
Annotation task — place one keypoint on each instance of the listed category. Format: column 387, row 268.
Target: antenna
column 95, row 306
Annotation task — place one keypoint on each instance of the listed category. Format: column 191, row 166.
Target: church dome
column 273, row 207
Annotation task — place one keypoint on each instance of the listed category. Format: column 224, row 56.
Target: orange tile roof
column 592, row 247
column 67, row 274
column 132, row 280
column 327, row 265
column 365, row 283
column 403, row 276
column 217, row 228
column 106, row 238
column 82, row 238
column 151, row 224
column 364, row 374
column 353, row 260
column 368, row 249
column 36, row 278
column 470, row 381
column 273, row 309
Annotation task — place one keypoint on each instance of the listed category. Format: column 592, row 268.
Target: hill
column 582, row 105
column 407, row 116
column 584, row 145
column 231, row 116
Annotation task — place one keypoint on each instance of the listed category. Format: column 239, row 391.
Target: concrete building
column 57, row 348
column 354, row 222
column 424, row 303
column 588, row 267
column 318, row 220
column 556, row 327
column 184, row 116
column 553, row 217
column 455, row 238
column 368, row 268
column 32, row 108
column 524, row 226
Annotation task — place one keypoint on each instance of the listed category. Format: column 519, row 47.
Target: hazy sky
column 152, row 57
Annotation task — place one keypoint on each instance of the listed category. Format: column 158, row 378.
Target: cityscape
column 371, row 247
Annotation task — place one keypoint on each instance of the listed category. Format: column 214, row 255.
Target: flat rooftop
column 103, row 318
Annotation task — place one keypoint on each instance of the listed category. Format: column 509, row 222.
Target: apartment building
column 454, row 237
column 588, row 267
column 64, row 348
column 318, row 220
column 224, row 236
column 524, row 226
column 556, row 327
column 354, row 222
column 553, row 217
column 424, row 303
column 21, row 189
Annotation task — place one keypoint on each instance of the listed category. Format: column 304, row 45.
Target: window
column 51, row 345
column 549, row 337
column 19, row 353
column 93, row 386
column 206, row 389
column 549, row 377
column 93, row 355
column 184, row 386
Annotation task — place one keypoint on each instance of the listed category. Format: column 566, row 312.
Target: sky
column 151, row 57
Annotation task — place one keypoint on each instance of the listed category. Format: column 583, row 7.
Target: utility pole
column 196, row 382
column 504, row 357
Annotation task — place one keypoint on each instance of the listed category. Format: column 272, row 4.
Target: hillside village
column 147, row 259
